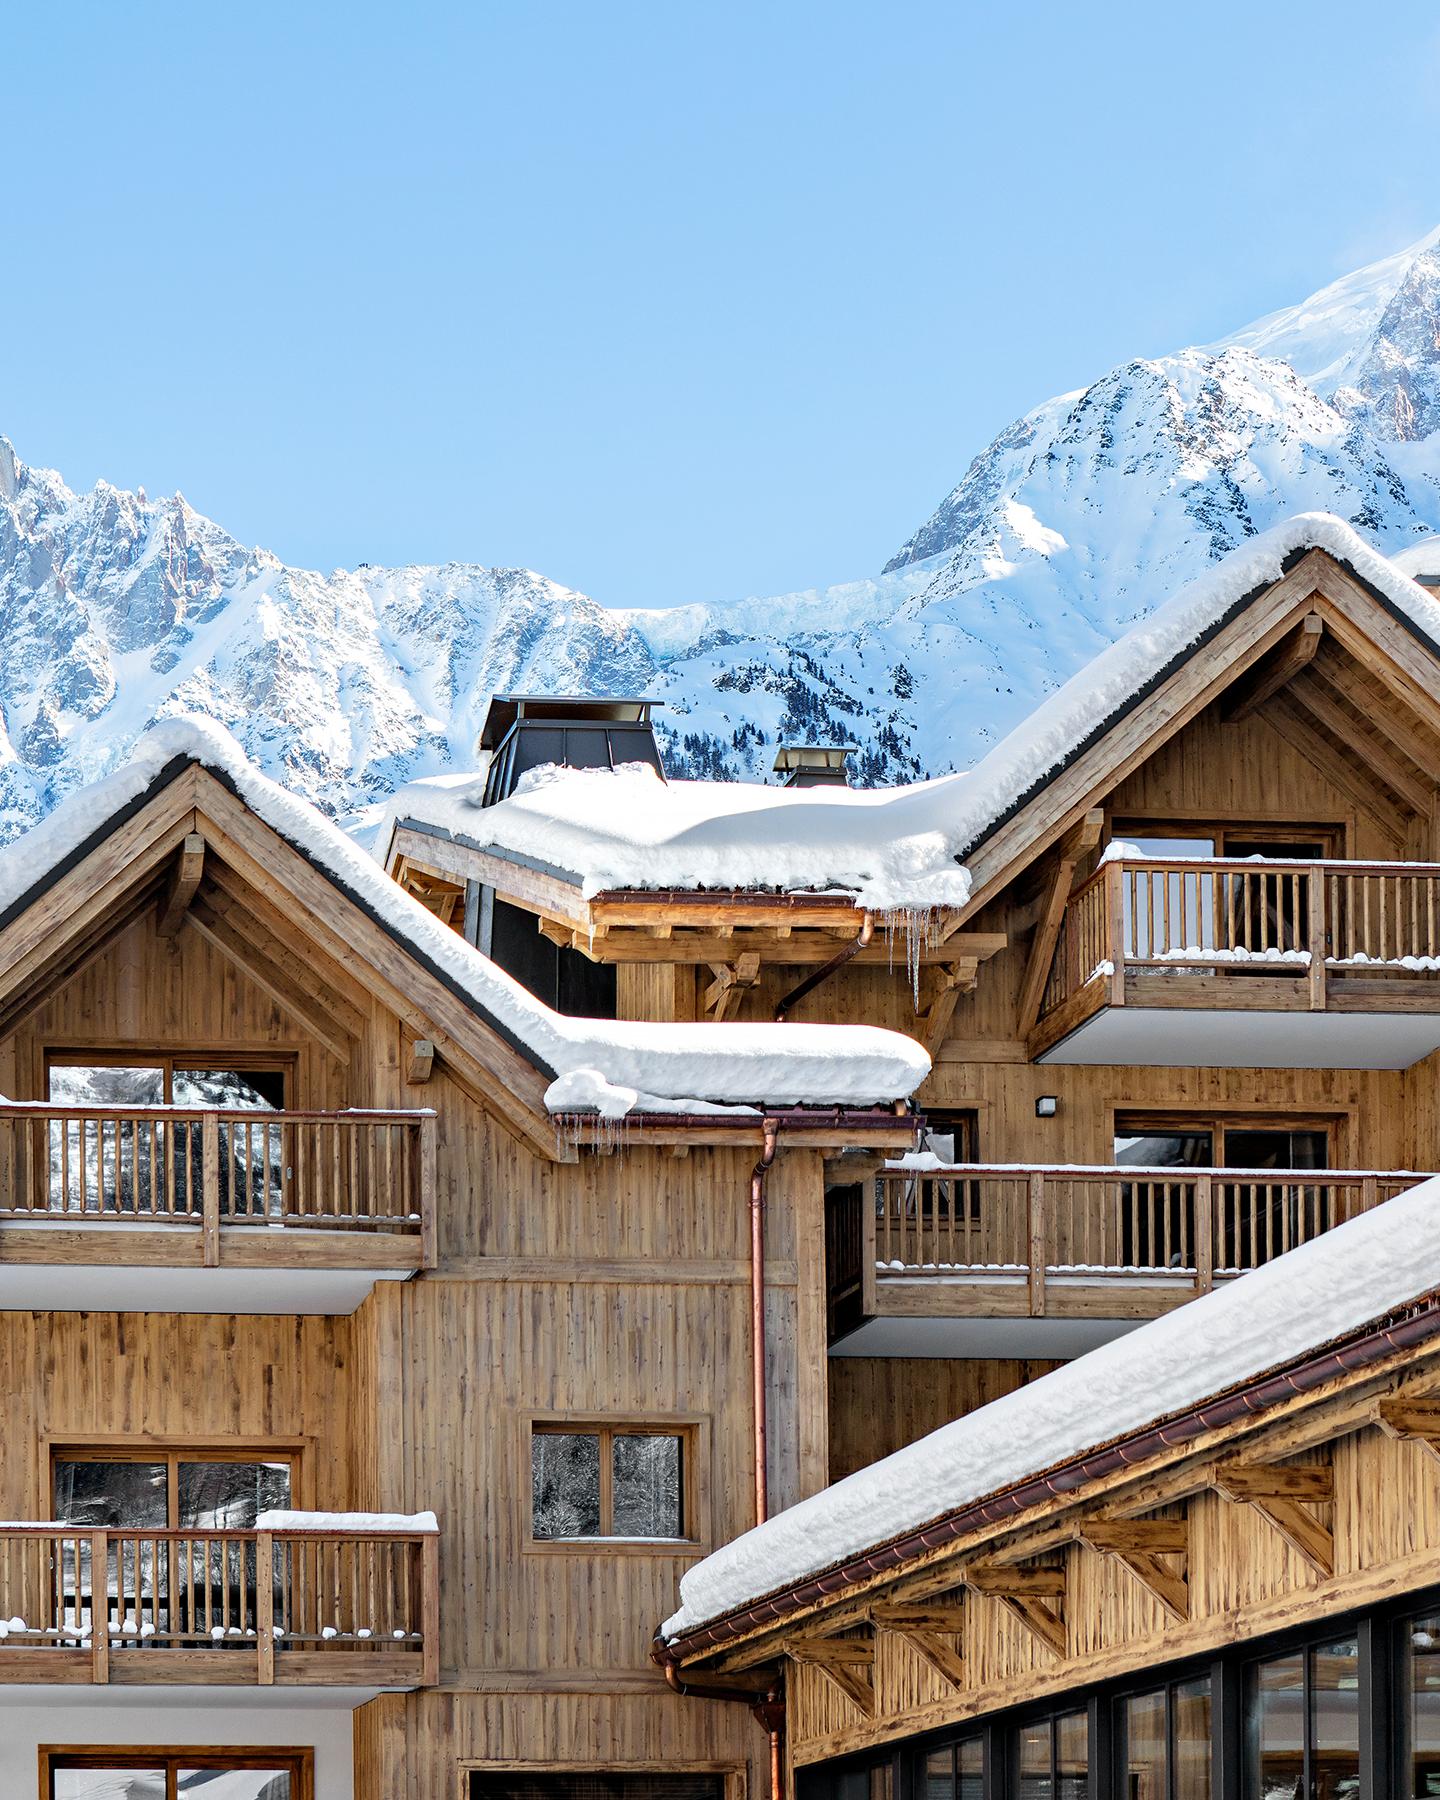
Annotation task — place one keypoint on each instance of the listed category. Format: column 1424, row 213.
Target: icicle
column 918, row 923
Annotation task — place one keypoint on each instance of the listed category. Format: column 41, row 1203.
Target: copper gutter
column 1415, row 1324
column 757, row 1316
column 827, row 969
column 767, row 1703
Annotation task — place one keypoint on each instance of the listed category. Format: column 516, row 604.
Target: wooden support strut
column 183, row 884
column 934, row 1632
column 1283, row 1495
column 1080, row 839
column 847, row 1663
column 940, row 989
column 1274, row 672
column 1413, row 1421
column 731, row 980
column 421, row 1065
column 1036, row 1596
column 1139, row 1544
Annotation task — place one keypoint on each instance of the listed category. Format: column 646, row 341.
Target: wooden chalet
column 410, row 1269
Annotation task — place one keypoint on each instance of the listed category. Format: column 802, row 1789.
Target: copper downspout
column 826, row 970
column 767, row 1704
column 757, row 1316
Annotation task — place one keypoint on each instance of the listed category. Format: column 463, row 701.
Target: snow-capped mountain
column 116, row 610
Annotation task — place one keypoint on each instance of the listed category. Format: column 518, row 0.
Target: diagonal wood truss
column 1413, row 1421
column 847, row 1663
column 933, row 1630
column 1036, row 1596
column 1155, row 1551
column 1286, row 1495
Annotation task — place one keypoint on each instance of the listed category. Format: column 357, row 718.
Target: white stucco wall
column 302, row 1718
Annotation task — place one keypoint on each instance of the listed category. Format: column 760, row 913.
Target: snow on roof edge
column 1351, row 1276
column 667, row 1066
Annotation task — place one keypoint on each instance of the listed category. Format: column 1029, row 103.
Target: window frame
column 172, row 1452
column 1232, row 835
column 282, row 1062
column 1337, row 1124
column 693, row 1433
column 734, row 1775
column 300, row 1759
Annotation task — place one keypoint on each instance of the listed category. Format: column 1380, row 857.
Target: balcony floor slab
column 97, row 1287
column 1204, row 1038
column 1040, row 1339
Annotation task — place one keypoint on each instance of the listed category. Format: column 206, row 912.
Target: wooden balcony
column 1098, row 1246
column 173, row 1208
column 1274, row 964
column 293, row 1608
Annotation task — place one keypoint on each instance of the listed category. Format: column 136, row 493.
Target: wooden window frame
column 172, row 1451
column 298, row 1761
column 1231, row 834
column 284, row 1062
column 734, row 1775
column 696, row 1524
column 1338, row 1125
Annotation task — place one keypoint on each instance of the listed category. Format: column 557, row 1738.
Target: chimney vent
column 813, row 765
column 525, row 731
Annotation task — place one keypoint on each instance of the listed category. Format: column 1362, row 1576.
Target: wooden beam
column 325, row 988
column 933, row 1632
column 243, row 957
column 1396, row 772
column 731, row 980
column 1282, row 1495
column 1036, row 1596
column 181, row 887
column 1352, row 685
column 1275, row 672
column 1294, row 726
column 422, row 1062
column 1139, row 1544
column 1081, row 838
column 72, row 959
column 848, row 1663
column 1416, row 1421
column 940, row 989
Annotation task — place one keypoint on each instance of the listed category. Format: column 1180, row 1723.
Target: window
column 1052, row 1758
column 1303, row 1714
column 199, row 1490
column 1163, row 1743
column 174, row 1774
column 1420, row 1646
column 608, row 1481
column 147, row 1166
column 1253, row 1220
column 957, row 1772
column 595, row 1784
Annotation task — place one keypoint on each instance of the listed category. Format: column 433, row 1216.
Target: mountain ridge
column 1079, row 517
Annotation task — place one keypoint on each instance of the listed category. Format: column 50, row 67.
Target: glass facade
column 1347, row 1711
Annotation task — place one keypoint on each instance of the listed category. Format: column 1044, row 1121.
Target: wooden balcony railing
column 369, row 1173
column 1175, row 1230
column 300, row 1607
column 1228, row 916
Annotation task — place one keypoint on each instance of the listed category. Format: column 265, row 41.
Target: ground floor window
column 594, row 1784
column 175, row 1774
column 1348, row 1710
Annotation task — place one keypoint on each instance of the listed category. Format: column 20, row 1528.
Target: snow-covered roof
column 895, row 848
column 1348, row 1278
column 616, row 1067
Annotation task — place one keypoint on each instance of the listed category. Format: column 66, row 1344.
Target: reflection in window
column 603, row 1482
column 957, row 1772
column 1304, row 1712
column 1164, row 1743
column 1052, row 1758
column 217, row 1777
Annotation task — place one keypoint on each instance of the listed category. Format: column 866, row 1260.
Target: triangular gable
column 1253, row 632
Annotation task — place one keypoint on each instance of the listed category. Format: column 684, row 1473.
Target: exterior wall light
column 1046, row 1106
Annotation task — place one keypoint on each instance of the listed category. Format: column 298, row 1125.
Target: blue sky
column 672, row 301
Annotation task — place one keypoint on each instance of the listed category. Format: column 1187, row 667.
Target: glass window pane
column 1072, row 1756
column 1275, row 1718
column 108, row 1784
column 1423, row 1659
column 940, row 1774
column 647, row 1496
column 1033, row 1762
column 1276, row 1149
column 1164, row 1150
column 73, row 1084
column 970, row 1767
column 1142, row 1745
column 227, row 1496
column 565, row 1478
column 234, row 1784
column 1335, row 1720
column 1190, row 1728
column 259, row 1090
column 111, row 1493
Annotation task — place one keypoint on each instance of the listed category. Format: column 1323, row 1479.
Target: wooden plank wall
column 878, row 1404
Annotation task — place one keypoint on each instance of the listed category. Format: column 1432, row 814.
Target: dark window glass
column 1304, row 1720
column 1421, row 1652
column 1275, row 1720
column 970, row 1768
column 1306, row 1149
column 1143, row 1747
column 1190, row 1736
column 599, row 1784
column 229, row 1496
column 1033, row 1764
column 565, row 1484
column 1335, row 1720
column 1161, row 1149
column 940, row 1774
column 646, row 1487
column 111, row 1493
column 1072, row 1756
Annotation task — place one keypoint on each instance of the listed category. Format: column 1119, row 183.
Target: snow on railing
column 365, row 1171
column 1187, row 1225
column 276, row 1594
column 1233, row 915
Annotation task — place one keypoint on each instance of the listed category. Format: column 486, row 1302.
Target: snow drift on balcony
column 667, row 1066
column 1357, row 1273
column 894, row 848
